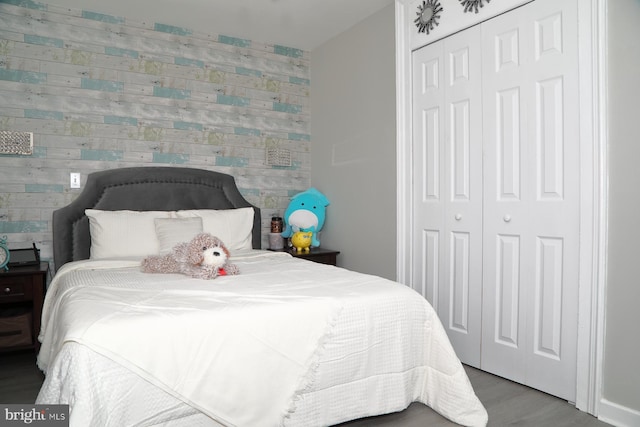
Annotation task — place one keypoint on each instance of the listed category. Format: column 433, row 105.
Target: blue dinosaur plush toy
column 306, row 212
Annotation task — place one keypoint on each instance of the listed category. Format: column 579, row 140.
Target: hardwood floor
column 20, row 378
column 508, row 403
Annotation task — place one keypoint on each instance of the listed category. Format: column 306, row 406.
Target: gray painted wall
column 353, row 155
column 621, row 382
column 102, row 92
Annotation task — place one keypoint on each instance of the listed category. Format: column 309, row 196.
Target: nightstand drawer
column 16, row 330
column 21, row 291
column 17, row 288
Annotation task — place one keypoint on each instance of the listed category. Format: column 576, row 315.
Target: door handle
column 458, row 217
column 506, row 218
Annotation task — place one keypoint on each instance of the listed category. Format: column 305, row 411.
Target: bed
column 286, row 342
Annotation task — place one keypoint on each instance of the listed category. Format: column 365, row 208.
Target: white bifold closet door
column 496, row 192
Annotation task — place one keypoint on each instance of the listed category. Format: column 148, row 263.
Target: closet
column 496, row 192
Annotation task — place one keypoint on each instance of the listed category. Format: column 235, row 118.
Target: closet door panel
column 428, row 186
column 508, row 145
column 508, row 165
column 548, row 298
column 460, row 305
column 531, row 196
column 507, row 294
column 550, row 139
column 448, row 186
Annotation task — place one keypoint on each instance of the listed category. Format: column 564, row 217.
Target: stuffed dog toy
column 204, row 257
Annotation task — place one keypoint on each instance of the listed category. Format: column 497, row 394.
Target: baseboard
column 618, row 415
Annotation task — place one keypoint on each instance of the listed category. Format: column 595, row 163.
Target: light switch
column 75, row 179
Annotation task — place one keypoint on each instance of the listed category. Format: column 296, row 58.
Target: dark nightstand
column 22, row 291
column 320, row 255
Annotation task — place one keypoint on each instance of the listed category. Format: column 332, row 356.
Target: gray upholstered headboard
column 143, row 189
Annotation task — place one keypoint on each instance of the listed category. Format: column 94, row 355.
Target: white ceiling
column 302, row 24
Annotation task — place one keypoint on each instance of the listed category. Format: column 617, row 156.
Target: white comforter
column 256, row 338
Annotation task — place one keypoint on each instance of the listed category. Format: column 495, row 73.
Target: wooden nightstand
column 22, row 289
column 320, row 255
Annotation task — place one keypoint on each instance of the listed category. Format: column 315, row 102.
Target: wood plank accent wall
column 102, row 92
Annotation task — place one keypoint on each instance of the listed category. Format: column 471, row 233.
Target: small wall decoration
column 16, row 142
column 428, row 15
column 472, row 5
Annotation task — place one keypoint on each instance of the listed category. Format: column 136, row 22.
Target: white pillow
column 171, row 231
column 124, row 233
column 233, row 226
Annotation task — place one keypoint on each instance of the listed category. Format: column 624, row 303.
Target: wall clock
column 4, row 254
column 428, row 15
